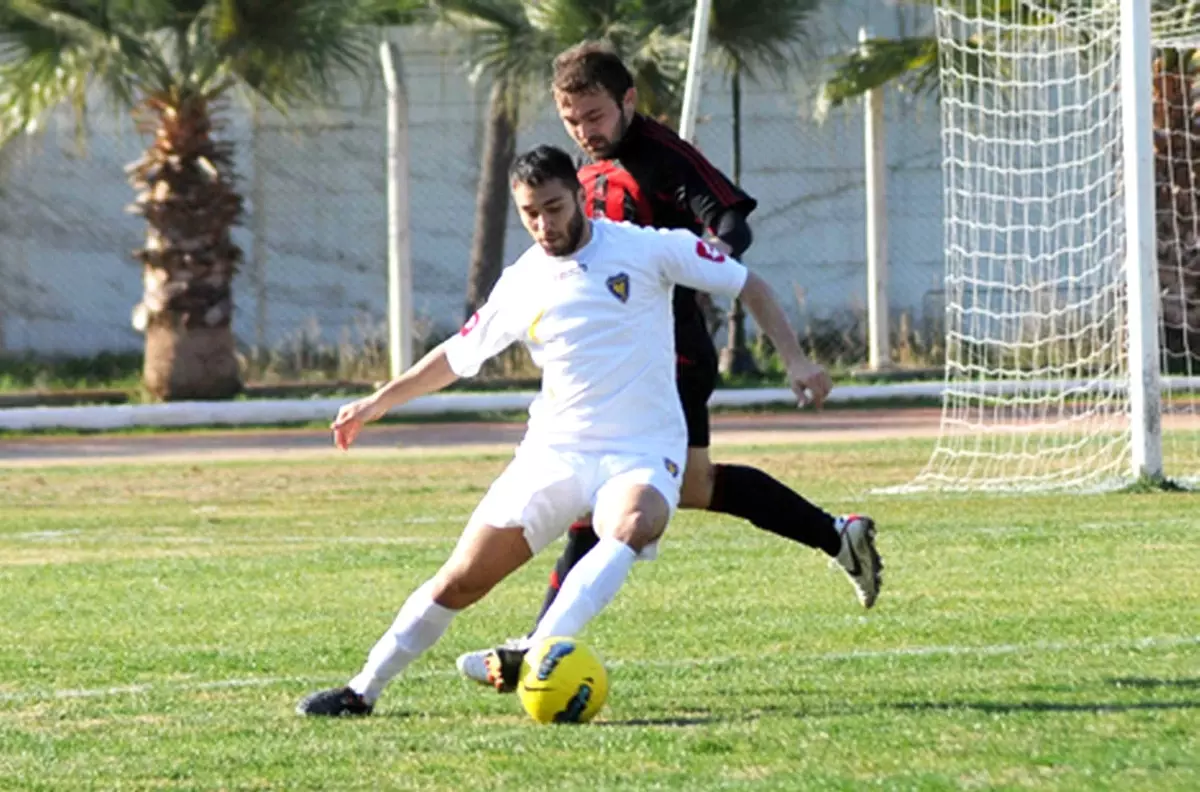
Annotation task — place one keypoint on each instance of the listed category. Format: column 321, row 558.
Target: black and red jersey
column 656, row 178
column 681, row 188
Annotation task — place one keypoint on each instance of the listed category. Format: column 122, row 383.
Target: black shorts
column 696, row 378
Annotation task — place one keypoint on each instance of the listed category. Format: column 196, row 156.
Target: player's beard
column 609, row 148
column 574, row 235
column 575, row 231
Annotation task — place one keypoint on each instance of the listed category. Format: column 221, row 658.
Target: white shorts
column 543, row 491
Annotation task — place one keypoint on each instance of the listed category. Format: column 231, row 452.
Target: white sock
column 418, row 626
column 589, row 587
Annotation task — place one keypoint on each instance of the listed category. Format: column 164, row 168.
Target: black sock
column 581, row 538
column 752, row 495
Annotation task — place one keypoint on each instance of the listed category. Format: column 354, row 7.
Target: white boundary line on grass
column 1159, row 642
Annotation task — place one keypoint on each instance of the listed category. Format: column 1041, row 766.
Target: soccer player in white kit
column 592, row 302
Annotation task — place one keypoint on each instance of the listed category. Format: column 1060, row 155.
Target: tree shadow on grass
column 1189, row 683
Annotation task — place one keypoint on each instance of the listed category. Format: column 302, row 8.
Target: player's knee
column 638, row 528
column 457, row 589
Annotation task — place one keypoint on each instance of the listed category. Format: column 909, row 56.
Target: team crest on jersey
column 619, row 286
column 470, row 325
column 671, row 467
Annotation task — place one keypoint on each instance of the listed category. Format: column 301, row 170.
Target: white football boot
column 858, row 557
column 474, row 665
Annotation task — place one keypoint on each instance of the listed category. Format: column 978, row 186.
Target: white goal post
column 1071, row 142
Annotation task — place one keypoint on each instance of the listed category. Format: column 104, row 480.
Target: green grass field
column 159, row 624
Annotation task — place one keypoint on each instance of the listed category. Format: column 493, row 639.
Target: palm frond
column 506, row 44
column 53, row 49
column 499, row 17
column 756, row 36
column 913, row 62
column 396, row 12
column 286, row 51
column 875, row 63
column 119, row 41
column 570, row 20
column 517, row 41
column 659, row 66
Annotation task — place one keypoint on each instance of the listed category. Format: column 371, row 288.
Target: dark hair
column 591, row 66
column 544, row 164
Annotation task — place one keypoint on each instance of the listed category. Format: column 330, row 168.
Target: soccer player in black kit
column 643, row 172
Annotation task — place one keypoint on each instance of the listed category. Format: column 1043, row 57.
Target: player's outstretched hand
column 351, row 418
column 810, row 382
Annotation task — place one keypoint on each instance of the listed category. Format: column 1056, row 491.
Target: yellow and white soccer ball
column 562, row 681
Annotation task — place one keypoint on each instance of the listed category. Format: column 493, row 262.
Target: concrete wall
column 315, row 232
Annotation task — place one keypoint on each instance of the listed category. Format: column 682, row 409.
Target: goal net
column 1037, row 392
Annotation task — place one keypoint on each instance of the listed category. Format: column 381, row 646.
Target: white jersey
column 599, row 325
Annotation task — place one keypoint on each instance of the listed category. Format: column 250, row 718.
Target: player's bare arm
column 809, row 381
column 700, row 266
column 430, row 374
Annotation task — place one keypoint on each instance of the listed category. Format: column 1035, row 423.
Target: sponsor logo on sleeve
column 707, row 251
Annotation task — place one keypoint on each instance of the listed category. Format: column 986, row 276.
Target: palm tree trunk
column 191, row 363
column 491, row 197
column 735, row 358
column 186, row 194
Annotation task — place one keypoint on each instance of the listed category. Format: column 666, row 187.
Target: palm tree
column 174, row 64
